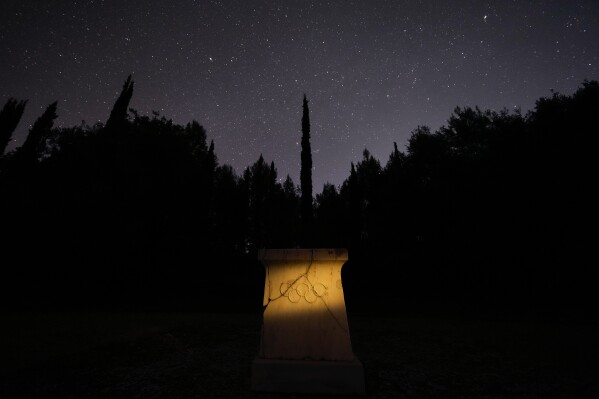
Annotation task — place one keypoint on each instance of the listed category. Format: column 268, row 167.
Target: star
column 372, row 74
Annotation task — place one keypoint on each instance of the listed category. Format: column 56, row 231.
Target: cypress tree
column 355, row 207
column 306, row 178
column 9, row 119
column 273, row 174
column 212, row 159
column 35, row 141
column 118, row 115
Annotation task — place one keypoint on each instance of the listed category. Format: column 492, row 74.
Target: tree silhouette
column 491, row 209
column 211, row 158
column 9, row 119
column 261, row 183
column 34, row 144
column 331, row 218
column 230, row 211
column 307, row 213
column 196, row 136
column 290, row 213
column 355, row 206
column 118, row 115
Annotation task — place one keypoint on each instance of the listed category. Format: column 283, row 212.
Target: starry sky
column 372, row 70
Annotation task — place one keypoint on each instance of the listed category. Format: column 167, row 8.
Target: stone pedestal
column 305, row 345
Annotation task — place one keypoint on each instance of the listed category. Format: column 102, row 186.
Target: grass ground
column 193, row 355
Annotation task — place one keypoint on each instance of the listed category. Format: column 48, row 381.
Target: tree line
column 490, row 210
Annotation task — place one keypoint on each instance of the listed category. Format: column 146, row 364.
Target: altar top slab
column 317, row 254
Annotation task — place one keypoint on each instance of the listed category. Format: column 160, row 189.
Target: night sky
column 373, row 70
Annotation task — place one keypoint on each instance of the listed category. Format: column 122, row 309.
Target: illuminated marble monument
column 305, row 345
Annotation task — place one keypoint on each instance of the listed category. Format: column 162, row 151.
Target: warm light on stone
column 305, row 345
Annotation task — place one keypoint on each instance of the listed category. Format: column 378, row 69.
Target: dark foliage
column 307, row 214
column 10, row 115
column 118, row 115
column 34, row 146
column 489, row 212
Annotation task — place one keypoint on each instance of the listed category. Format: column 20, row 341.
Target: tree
column 355, row 206
column 9, row 119
column 261, row 183
column 34, row 144
column 330, row 218
column 118, row 115
column 212, row 159
column 230, row 211
column 195, row 134
column 306, row 177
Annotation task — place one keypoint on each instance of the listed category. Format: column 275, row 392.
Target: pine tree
column 9, row 119
column 306, row 178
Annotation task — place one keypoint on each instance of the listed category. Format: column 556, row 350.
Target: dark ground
column 201, row 355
